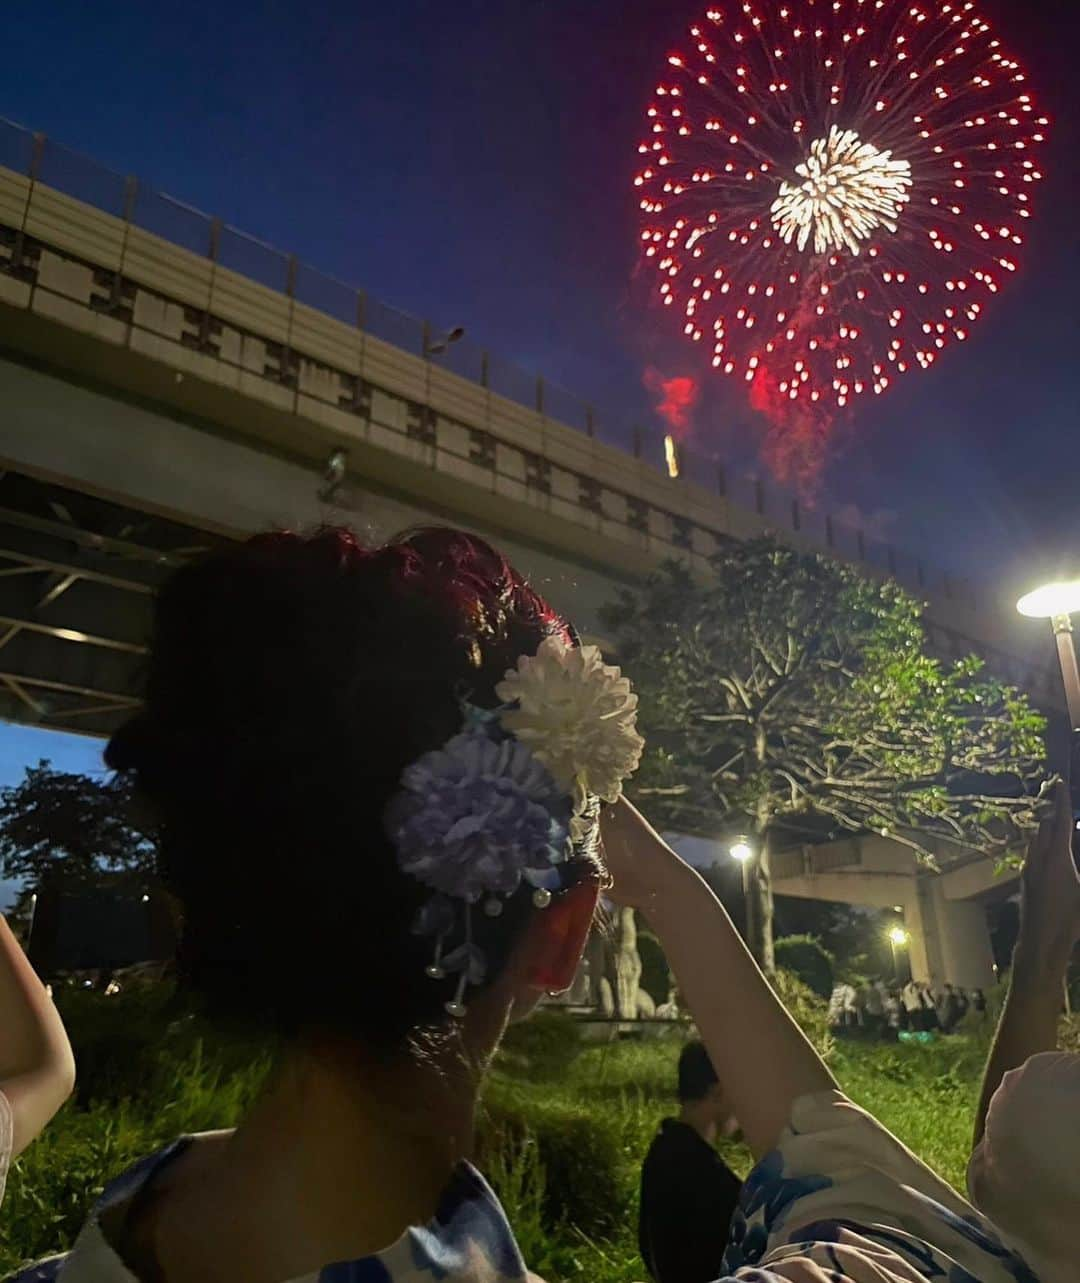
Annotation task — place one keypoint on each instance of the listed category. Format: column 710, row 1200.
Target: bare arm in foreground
column 1049, row 928
column 37, row 1069
column 760, row 1054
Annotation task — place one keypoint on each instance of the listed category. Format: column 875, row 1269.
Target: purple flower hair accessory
column 478, row 814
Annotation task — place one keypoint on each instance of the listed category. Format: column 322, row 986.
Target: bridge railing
column 40, row 159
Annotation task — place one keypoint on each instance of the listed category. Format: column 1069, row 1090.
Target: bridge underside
column 944, row 913
column 141, row 492
column 76, row 578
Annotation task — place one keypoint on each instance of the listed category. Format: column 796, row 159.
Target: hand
column 640, row 862
column 1050, row 912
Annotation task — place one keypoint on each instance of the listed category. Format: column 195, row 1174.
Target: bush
column 543, row 1046
column 808, row 958
column 578, row 1156
column 810, row 1012
column 127, row 1045
column 655, row 973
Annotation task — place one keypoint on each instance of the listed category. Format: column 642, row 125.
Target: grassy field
column 563, row 1132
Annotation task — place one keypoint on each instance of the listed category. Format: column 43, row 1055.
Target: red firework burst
column 831, row 189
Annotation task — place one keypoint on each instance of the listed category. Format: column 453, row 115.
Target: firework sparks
column 833, row 190
column 849, row 190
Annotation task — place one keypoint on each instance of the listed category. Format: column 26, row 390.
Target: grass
column 564, row 1126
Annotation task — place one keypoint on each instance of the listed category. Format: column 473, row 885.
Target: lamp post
column 741, row 851
column 1058, row 602
column 898, row 938
column 436, row 345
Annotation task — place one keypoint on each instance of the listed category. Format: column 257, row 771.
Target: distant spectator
column 893, row 1016
column 963, row 1004
column 948, row 1009
column 842, row 1010
column 913, row 1007
column 688, row 1193
column 874, row 1009
column 978, row 1001
column 929, row 1008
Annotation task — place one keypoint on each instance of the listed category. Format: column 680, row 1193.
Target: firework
column 832, row 190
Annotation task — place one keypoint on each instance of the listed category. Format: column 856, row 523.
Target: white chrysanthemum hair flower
column 578, row 715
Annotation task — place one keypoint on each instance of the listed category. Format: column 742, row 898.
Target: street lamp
column 1058, row 602
column 741, row 850
column 898, row 938
column 437, row 345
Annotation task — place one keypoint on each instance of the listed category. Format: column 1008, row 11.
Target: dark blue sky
column 472, row 162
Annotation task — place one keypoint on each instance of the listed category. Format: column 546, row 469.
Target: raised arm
column 760, row 1054
column 1049, row 928
column 37, row 1069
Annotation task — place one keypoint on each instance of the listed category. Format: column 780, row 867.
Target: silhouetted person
column 948, row 1009
column 688, row 1192
column 894, row 1015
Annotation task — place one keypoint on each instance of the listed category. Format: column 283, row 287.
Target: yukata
column 467, row 1241
column 841, row 1200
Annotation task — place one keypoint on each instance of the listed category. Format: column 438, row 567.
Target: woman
column 37, row 1071
column 377, row 774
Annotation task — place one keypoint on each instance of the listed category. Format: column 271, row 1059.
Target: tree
column 787, row 697
column 806, row 957
column 72, row 832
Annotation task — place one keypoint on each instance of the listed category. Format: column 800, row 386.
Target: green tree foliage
column 807, row 958
column 72, row 831
column 788, row 697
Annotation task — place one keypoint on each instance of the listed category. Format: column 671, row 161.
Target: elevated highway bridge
column 167, row 382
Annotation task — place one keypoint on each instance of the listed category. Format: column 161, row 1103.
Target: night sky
column 472, row 162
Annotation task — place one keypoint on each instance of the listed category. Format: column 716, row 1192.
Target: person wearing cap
column 688, row 1192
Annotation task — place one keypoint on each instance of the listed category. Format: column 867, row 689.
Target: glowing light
column 836, row 224
column 671, row 454
column 849, row 190
column 898, row 936
column 1051, row 600
column 741, row 850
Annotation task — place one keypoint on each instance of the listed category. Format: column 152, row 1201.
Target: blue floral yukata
column 468, row 1241
column 839, row 1201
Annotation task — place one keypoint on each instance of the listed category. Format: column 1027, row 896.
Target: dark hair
column 696, row 1072
column 291, row 681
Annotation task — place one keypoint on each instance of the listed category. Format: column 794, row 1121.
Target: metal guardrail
column 40, row 159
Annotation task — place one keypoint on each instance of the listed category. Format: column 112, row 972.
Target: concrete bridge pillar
column 944, row 913
column 954, row 936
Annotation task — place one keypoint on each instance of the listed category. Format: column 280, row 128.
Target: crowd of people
column 448, row 757
column 876, row 1011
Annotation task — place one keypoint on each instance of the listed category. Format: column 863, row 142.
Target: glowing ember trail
column 831, row 192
